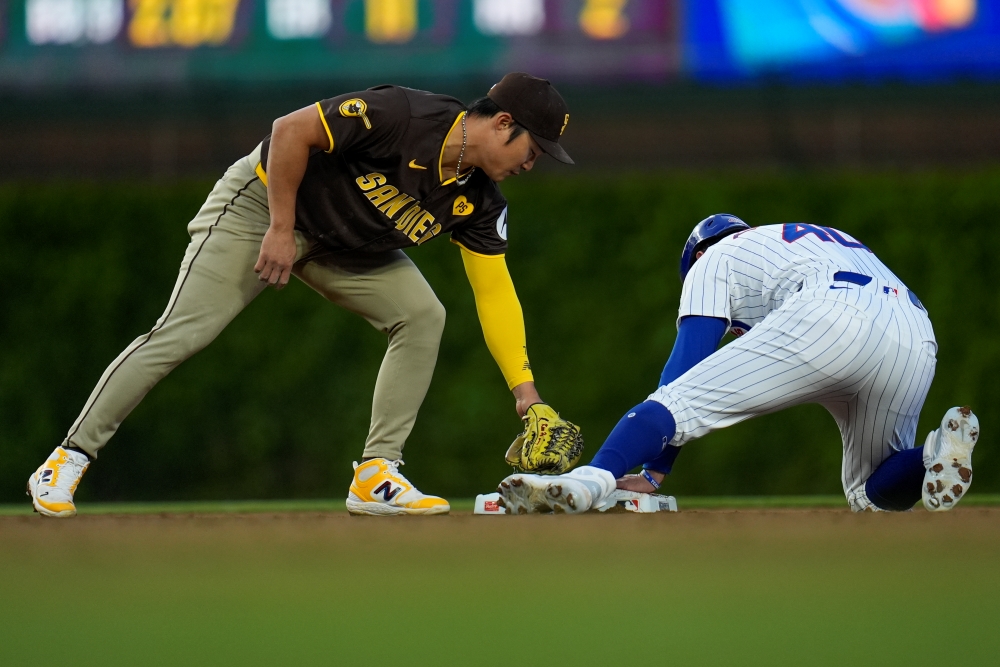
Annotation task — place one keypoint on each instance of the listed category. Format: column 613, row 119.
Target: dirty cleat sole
column 949, row 471
column 523, row 494
column 568, row 496
column 537, row 494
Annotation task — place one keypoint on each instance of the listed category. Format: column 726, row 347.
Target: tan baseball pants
column 217, row 281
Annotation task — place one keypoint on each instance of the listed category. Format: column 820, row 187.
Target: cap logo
column 565, row 123
column 462, row 206
column 355, row 108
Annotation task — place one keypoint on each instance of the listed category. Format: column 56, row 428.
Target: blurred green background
column 278, row 406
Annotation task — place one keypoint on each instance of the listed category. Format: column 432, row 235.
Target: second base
column 633, row 501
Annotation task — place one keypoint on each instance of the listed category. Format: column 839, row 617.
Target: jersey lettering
column 416, row 223
column 844, row 242
column 793, row 231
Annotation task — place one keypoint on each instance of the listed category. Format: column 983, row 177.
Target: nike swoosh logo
column 413, row 165
column 838, row 287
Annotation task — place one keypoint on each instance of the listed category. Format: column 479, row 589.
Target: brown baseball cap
column 537, row 106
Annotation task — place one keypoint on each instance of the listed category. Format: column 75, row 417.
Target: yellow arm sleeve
column 499, row 314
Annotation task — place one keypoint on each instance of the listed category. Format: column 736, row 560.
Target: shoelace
column 395, row 468
column 70, row 470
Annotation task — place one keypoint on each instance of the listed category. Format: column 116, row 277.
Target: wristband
column 649, row 478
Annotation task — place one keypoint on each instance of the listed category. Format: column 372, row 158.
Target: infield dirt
column 748, row 587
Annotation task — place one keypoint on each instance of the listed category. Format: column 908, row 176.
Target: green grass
column 459, row 505
column 699, row 589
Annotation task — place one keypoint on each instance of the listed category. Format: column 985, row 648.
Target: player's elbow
column 301, row 127
column 285, row 125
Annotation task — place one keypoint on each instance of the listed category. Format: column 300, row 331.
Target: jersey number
column 793, row 231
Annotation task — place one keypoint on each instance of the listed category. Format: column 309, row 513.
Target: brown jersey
column 379, row 186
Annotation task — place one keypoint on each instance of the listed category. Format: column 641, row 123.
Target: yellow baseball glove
column 549, row 445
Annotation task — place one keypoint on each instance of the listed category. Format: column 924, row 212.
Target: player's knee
column 426, row 318
column 654, row 415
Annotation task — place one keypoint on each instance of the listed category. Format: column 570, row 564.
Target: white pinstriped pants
column 866, row 354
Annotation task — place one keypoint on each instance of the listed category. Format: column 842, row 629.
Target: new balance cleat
column 51, row 487
column 570, row 493
column 948, row 459
column 379, row 489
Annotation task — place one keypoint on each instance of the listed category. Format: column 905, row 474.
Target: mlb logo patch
column 892, row 291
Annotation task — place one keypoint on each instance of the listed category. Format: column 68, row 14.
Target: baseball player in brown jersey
column 332, row 196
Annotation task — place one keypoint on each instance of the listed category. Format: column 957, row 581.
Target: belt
column 862, row 280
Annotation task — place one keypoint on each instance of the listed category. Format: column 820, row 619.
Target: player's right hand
column 639, row 483
column 277, row 255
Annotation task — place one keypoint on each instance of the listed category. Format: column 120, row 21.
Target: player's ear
column 698, row 255
column 502, row 121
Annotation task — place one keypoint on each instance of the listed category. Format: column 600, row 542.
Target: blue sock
column 895, row 485
column 639, row 437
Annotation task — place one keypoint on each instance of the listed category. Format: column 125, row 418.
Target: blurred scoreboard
column 113, row 43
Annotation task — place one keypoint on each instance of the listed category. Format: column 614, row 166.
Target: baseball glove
column 549, row 445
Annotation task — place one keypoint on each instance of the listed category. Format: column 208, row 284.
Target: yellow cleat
column 379, row 489
column 51, row 487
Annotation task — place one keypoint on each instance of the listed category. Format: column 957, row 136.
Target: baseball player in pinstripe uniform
column 332, row 196
column 818, row 319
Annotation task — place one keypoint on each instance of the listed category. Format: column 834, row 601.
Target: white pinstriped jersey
column 859, row 345
column 746, row 276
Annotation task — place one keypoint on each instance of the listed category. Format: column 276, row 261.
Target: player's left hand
column 549, row 445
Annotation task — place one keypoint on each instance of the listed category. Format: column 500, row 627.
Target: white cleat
column 539, row 494
column 948, row 459
column 51, row 487
column 571, row 493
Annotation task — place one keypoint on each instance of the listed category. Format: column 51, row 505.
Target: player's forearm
column 500, row 316
column 697, row 338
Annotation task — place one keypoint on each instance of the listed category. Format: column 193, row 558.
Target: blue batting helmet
column 712, row 228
